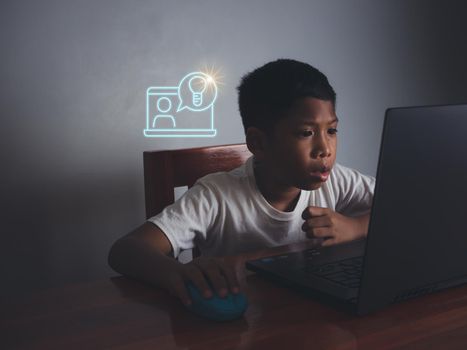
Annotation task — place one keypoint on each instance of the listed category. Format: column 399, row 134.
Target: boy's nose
column 321, row 147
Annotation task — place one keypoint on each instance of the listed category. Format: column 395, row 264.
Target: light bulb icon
column 197, row 86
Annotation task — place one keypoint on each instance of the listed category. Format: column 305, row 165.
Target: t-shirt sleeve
column 188, row 219
column 355, row 194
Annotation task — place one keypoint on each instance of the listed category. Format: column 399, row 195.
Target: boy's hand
column 203, row 272
column 333, row 227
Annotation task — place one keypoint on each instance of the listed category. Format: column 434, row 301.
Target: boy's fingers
column 320, row 232
column 310, row 212
column 179, row 289
column 221, row 276
column 231, row 277
column 329, row 242
column 320, row 221
column 213, row 271
column 217, row 280
column 316, row 242
column 196, row 276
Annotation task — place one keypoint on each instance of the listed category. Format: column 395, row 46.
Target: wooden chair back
column 165, row 170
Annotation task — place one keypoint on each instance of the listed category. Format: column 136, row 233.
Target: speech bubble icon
column 197, row 92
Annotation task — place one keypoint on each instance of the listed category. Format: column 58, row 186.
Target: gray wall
column 73, row 77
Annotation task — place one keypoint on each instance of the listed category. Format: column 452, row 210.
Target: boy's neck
column 280, row 196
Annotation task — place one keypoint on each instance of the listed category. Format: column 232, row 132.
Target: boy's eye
column 307, row 133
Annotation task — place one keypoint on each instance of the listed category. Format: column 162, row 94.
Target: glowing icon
column 197, row 86
column 164, row 105
column 194, row 116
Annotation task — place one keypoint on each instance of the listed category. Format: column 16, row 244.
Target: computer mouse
column 216, row 308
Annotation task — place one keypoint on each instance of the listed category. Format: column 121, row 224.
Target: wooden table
column 119, row 313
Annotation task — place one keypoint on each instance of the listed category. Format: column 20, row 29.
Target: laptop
column 417, row 236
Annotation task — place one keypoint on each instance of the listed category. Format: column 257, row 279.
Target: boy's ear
column 256, row 141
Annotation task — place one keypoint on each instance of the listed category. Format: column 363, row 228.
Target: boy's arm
column 145, row 254
column 332, row 226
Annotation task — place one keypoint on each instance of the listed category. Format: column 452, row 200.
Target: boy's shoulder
column 224, row 180
column 346, row 179
column 341, row 172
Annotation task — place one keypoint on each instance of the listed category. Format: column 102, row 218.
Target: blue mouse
column 216, row 308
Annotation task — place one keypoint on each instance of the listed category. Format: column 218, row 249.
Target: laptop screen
column 417, row 239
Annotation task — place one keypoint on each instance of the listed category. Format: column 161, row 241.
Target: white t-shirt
column 224, row 213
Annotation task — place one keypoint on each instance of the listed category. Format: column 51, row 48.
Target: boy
column 289, row 190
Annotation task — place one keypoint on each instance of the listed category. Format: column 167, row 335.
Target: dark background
column 73, row 78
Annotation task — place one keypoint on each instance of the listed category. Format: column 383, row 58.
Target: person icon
column 164, row 105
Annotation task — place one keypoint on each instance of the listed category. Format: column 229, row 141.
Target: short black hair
column 270, row 90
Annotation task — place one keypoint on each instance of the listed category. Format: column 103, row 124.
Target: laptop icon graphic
column 186, row 110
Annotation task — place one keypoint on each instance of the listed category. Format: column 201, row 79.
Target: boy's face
column 302, row 148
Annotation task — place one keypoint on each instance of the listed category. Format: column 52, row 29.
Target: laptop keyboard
column 345, row 272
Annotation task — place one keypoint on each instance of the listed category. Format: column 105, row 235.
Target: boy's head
column 267, row 93
column 288, row 112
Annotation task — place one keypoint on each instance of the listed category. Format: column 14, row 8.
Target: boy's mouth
column 321, row 174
